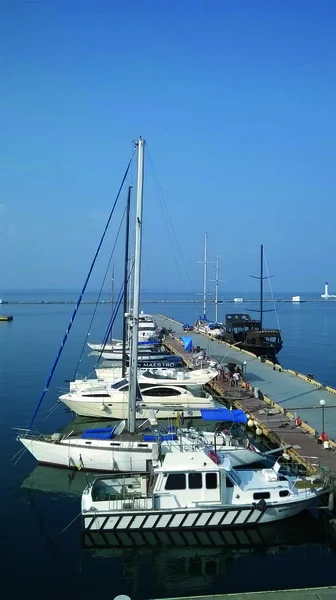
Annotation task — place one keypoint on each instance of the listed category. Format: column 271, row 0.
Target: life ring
column 214, row 457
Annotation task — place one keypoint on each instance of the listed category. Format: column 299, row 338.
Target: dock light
column 322, row 405
column 244, row 367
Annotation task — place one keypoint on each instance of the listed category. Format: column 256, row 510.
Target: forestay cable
column 80, row 296
column 99, row 296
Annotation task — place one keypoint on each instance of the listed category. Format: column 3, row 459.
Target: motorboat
column 193, row 490
column 111, row 400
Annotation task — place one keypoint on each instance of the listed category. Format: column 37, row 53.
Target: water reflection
column 205, row 561
column 170, row 564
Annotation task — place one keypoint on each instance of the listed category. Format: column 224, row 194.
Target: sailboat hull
column 105, row 458
column 113, row 456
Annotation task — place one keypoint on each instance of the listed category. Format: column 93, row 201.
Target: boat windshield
column 234, row 477
column 119, row 384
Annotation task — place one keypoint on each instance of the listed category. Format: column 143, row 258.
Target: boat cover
column 101, row 433
column 224, row 414
column 187, row 341
column 163, row 437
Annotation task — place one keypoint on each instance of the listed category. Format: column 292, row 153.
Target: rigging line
column 113, row 316
column 270, row 285
column 111, row 322
column 99, row 296
column 52, row 410
column 164, row 204
column 46, row 388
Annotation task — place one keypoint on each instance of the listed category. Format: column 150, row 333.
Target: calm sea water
column 37, row 503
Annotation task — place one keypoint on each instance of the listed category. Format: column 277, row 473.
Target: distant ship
column 249, row 334
column 326, row 294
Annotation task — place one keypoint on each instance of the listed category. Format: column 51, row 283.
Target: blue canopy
column 100, row 433
column 187, row 341
column 223, row 414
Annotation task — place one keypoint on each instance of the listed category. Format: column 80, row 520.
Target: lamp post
column 322, row 405
column 244, row 367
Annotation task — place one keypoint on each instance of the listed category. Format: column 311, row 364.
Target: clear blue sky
column 236, row 101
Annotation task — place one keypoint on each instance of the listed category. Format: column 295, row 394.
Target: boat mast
column 261, row 284
column 217, row 280
column 128, row 204
column 136, row 297
column 112, row 303
column 205, row 276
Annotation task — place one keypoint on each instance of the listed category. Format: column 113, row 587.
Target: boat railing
column 130, row 502
column 36, row 436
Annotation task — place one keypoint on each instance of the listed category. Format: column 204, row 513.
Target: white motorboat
column 193, row 490
column 112, row 401
column 116, row 347
column 109, row 376
column 148, row 337
column 111, row 449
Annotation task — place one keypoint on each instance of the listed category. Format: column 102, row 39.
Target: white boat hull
column 206, row 517
column 119, row 410
column 93, row 455
column 103, row 458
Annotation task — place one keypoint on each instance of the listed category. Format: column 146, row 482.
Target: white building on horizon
column 326, row 294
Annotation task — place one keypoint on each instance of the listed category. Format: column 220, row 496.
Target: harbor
column 282, row 398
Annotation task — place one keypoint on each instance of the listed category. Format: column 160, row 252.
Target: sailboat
column 119, row 447
column 249, row 334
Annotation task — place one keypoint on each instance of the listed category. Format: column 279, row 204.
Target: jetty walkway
column 282, row 397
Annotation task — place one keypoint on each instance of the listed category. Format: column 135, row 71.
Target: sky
column 236, row 101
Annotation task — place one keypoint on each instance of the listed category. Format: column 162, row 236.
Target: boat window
column 96, row 395
column 229, row 483
column 115, row 444
column 142, row 445
column 283, row 493
column 176, row 481
column 211, row 481
column 195, row 481
column 88, row 442
column 119, row 384
column 261, row 495
column 162, row 392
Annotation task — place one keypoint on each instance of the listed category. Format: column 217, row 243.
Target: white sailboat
column 148, row 337
column 111, row 449
column 197, row 490
column 114, row 449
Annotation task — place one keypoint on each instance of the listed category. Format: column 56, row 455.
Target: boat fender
column 261, row 505
column 214, row 457
column 102, row 407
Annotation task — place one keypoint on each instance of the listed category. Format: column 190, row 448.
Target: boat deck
column 284, row 396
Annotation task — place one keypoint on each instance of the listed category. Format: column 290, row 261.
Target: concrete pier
column 321, row 593
column 279, row 392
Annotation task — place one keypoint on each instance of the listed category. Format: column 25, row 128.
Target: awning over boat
column 223, row 414
column 187, row 341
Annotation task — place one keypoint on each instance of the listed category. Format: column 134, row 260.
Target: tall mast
column 217, row 280
column 205, row 276
column 112, row 302
column 261, row 284
column 128, row 204
column 136, row 296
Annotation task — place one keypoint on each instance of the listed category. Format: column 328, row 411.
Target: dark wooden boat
column 249, row 334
